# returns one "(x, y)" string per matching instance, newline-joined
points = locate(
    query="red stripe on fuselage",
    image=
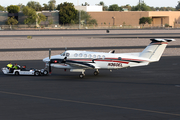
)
(103, 60)
(132, 59)
(113, 61)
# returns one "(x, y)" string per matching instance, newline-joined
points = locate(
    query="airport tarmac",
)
(141, 93)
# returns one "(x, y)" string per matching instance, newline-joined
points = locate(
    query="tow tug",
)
(23, 71)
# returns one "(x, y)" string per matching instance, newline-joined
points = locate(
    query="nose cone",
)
(46, 60)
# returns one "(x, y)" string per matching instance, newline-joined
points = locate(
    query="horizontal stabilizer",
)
(162, 40)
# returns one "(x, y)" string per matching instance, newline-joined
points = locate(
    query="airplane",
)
(79, 61)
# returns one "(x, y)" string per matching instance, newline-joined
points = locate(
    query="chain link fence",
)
(77, 26)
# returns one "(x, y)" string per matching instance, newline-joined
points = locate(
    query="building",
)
(3, 17)
(108, 18)
(89, 8)
(52, 17)
(131, 18)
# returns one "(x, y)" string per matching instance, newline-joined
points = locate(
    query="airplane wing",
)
(79, 64)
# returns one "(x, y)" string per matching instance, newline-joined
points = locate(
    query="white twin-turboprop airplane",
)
(79, 61)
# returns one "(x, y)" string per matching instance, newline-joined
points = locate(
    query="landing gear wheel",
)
(36, 73)
(81, 75)
(45, 72)
(96, 73)
(16, 73)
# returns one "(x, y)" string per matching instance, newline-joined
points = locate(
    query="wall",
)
(3, 18)
(170, 17)
(130, 18)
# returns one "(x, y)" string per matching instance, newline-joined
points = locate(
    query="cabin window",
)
(94, 56)
(89, 55)
(119, 58)
(103, 57)
(80, 55)
(67, 54)
(75, 55)
(85, 55)
(99, 56)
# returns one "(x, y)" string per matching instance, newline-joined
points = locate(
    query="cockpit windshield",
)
(62, 54)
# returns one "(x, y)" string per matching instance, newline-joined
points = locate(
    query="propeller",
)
(65, 58)
(50, 61)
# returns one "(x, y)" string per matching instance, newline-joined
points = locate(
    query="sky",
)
(154, 3)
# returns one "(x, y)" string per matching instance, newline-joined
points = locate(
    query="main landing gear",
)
(96, 73)
(82, 75)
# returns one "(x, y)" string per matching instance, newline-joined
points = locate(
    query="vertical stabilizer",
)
(155, 49)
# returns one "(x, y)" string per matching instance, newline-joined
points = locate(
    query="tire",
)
(16, 73)
(81, 76)
(96, 73)
(36, 73)
(45, 72)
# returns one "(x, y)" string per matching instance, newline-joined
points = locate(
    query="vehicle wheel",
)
(45, 72)
(16, 73)
(36, 73)
(81, 75)
(96, 73)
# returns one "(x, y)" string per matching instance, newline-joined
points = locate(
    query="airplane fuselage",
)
(95, 60)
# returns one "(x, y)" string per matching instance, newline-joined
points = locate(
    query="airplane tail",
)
(155, 49)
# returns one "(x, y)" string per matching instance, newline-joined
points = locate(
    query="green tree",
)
(141, 7)
(178, 6)
(67, 13)
(167, 9)
(45, 7)
(21, 6)
(85, 4)
(145, 20)
(2, 8)
(153, 9)
(13, 9)
(85, 17)
(35, 5)
(32, 17)
(11, 21)
(114, 7)
(92, 22)
(52, 4)
(41, 17)
(105, 8)
(127, 6)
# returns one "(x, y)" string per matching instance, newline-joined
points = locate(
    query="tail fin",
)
(155, 49)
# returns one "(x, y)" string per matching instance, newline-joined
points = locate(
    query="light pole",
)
(139, 5)
(79, 14)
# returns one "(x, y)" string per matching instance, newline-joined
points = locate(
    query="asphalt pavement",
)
(141, 93)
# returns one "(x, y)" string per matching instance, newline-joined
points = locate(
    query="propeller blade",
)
(65, 59)
(50, 54)
(50, 61)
